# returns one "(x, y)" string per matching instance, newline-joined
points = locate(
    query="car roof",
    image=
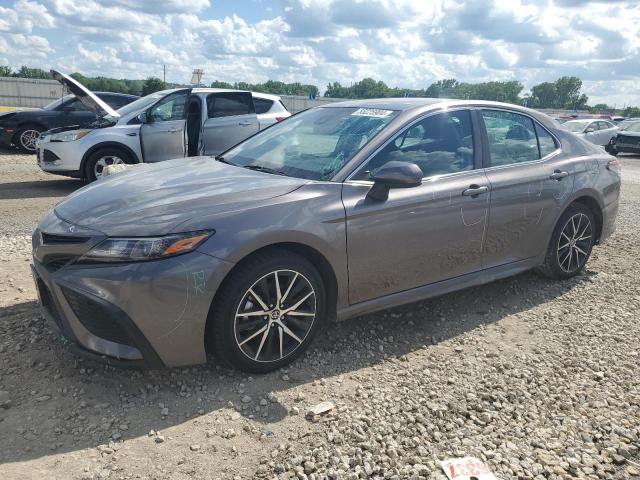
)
(231, 90)
(418, 103)
(118, 94)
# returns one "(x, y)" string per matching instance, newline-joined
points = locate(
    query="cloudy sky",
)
(404, 43)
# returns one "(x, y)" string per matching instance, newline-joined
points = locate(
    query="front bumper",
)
(6, 136)
(64, 158)
(144, 314)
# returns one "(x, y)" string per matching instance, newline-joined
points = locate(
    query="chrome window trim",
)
(399, 133)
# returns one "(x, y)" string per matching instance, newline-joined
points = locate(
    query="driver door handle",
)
(475, 190)
(245, 123)
(558, 175)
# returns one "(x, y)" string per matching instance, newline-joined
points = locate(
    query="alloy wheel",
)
(103, 162)
(275, 315)
(28, 139)
(574, 243)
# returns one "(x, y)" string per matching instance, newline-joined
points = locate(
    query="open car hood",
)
(88, 98)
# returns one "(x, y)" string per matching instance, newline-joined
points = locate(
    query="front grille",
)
(96, 318)
(54, 239)
(46, 301)
(49, 156)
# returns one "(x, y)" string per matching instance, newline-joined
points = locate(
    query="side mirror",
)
(394, 174)
(142, 117)
(590, 130)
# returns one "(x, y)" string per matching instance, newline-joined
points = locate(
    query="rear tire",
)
(26, 136)
(571, 243)
(101, 158)
(266, 339)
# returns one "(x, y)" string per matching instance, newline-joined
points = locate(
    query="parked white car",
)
(183, 122)
(595, 131)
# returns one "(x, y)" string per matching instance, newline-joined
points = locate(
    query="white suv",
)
(182, 122)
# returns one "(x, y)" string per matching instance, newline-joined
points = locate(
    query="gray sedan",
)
(338, 211)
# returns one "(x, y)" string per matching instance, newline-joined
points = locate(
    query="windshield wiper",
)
(260, 168)
(220, 158)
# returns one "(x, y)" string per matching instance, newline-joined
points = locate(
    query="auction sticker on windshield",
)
(372, 112)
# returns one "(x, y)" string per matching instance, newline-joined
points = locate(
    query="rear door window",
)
(229, 104)
(546, 141)
(512, 137)
(262, 105)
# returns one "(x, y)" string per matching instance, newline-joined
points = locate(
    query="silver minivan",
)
(182, 122)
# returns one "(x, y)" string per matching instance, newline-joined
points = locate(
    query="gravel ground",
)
(539, 379)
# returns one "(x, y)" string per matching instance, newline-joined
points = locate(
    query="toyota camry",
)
(338, 211)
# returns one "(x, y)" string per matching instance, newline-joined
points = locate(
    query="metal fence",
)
(296, 104)
(28, 92)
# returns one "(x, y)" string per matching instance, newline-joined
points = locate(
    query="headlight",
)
(69, 136)
(137, 249)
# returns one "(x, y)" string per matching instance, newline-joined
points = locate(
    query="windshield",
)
(632, 127)
(142, 103)
(629, 125)
(314, 144)
(57, 102)
(576, 126)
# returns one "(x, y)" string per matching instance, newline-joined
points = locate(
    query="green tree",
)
(220, 84)
(5, 71)
(27, 72)
(563, 93)
(152, 84)
(599, 107)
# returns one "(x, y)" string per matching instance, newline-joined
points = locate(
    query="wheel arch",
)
(101, 145)
(316, 258)
(27, 123)
(596, 210)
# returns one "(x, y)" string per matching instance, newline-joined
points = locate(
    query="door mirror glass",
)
(142, 117)
(394, 174)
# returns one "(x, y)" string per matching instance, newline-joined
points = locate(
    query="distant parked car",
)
(627, 140)
(22, 127)
(598, 132)
(182, 122)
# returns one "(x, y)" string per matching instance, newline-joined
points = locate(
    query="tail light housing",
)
(614, 165)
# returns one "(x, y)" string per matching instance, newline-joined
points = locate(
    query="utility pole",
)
(164, 72)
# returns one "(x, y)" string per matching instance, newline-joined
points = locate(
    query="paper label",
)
(466, 468)
(372, 112)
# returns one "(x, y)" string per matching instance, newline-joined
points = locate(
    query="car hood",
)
(154, 199)
(88, 98)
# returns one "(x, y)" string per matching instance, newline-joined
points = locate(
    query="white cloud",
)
(402, 42)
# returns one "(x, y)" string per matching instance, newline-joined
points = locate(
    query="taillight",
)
(279, 119)
(613, 164)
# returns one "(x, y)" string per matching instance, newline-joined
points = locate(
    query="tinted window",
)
(229, 104)
(74, 105)
(546, 141)
(512, 137)
(170, 108)
(438, 144)
(262, 105)
(114, 101)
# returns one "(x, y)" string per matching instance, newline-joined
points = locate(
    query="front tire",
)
(101, 158)
(267, 312)
(571, 243)
(26, 137)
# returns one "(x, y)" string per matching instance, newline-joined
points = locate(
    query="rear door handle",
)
(558, 175)
(245, 123)
(475, 190)
(173, 130)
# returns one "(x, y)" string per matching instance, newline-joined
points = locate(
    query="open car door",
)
(162, 133)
